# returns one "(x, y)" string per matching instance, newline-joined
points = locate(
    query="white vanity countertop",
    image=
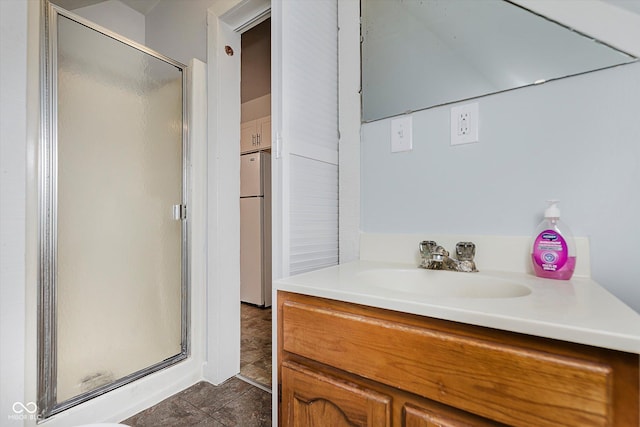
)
(578, 310)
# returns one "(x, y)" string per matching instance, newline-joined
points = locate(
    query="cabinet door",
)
(248, 136)
(305, 116)
(314, 399)
(433, 415)
(264, 132)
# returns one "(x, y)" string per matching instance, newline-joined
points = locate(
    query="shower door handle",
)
(179, 212)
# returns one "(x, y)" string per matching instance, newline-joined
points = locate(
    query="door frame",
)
(223, 235)
(225, 22)
(48, 404)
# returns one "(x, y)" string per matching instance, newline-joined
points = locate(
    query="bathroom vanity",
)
(348, 364)
(352, 351)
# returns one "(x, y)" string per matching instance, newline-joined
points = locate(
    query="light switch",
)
(401, 134)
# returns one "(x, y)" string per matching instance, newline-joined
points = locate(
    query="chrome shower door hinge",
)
(179, 212)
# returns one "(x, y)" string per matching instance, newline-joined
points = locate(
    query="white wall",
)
(117, 17)
(349, 129)
(13, 153)
(573, 139)
(178, 29)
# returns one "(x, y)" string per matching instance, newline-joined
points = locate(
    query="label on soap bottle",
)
(550, 251)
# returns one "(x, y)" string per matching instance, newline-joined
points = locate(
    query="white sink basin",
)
(433, 283)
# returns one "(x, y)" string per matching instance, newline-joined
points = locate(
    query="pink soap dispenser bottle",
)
(554, 251)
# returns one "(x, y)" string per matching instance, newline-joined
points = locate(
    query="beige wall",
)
(256, 62)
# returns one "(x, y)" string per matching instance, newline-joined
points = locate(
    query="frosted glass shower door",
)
(118, 171)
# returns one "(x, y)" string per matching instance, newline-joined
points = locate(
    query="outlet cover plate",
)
(401, 134)
(465, 121)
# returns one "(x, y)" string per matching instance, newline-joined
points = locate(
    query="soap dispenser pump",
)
(553, 253)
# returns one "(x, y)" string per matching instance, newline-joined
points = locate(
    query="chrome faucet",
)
(436, 257)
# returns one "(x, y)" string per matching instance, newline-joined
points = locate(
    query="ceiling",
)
(145, 6)
(142, 6)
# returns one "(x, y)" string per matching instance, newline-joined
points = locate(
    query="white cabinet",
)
(255, 135)
(305, 110)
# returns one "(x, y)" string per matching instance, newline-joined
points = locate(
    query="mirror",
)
(418, 54)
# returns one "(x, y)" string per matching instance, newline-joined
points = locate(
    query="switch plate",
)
(401, 134)
(465, 121)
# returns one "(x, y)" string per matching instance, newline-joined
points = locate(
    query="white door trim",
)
(223, 182)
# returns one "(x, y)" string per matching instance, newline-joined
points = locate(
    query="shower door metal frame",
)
(47, 268)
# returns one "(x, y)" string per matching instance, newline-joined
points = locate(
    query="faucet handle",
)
(427, 247)
(465, 251)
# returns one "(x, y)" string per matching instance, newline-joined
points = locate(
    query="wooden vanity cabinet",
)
(255, 135)
(347, 364)
(317, 399)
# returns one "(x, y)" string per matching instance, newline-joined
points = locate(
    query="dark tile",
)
(259, 344)
(252, 409)
(210, 423)
(250, 355)
(255, 344)
(248, 343)
(173, 412)
(258, 371)
(257, 375)
(233, 403)
(209, 398)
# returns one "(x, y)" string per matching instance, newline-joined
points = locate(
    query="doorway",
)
(113, 266)
(255, 204)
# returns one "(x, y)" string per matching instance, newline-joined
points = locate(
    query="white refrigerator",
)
(255, 228)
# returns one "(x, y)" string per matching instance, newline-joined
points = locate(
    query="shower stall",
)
(113, 275)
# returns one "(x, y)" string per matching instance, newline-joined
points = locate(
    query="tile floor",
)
(255, 344)
(233, 403)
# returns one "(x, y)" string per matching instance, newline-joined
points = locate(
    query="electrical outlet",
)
(464, 124)
(401, 134)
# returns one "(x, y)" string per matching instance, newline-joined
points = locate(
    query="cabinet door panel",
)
(248, 136)
(428, 415)
(264, 125)
(304, 59)
(313, 399)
